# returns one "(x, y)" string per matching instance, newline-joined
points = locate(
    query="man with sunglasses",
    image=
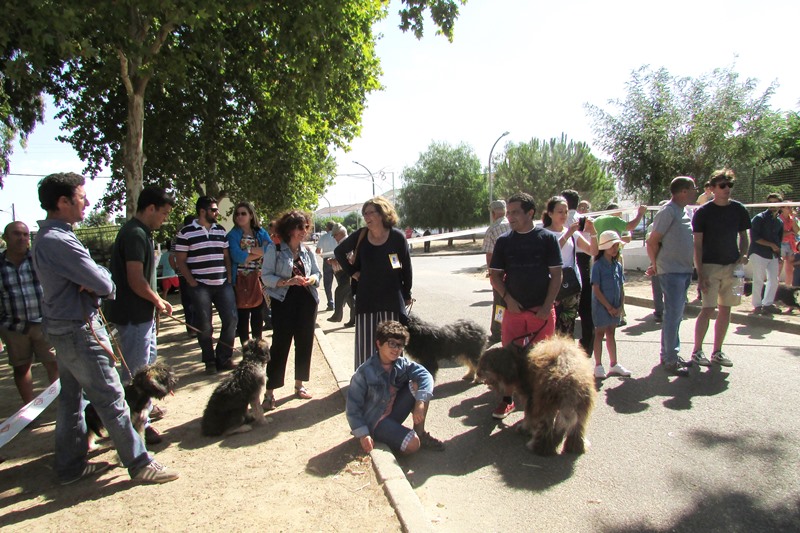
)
(201, 252)
(720, 244)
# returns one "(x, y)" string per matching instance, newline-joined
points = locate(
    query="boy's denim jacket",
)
(278, 265)
(369, 392)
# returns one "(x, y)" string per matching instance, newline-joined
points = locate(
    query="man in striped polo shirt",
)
(201, 251)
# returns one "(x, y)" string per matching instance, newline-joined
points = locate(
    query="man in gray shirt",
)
(670, 249)
(72, 286)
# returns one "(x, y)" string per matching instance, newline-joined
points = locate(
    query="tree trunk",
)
(133, 151)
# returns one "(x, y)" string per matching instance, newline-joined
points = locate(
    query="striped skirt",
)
(366, 324)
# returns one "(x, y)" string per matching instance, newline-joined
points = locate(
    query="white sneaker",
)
(599, 372)
(155, 473)
(619, 370)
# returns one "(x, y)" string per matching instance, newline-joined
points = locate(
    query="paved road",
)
(715, 452)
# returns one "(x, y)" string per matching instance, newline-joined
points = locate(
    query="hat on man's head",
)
(608, 239)
(497, 205)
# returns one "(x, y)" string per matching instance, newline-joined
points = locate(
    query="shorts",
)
(22, 347)
(786, 249)
(170, 283)
(720, 286)
(520, 327)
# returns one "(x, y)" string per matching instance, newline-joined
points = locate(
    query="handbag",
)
(570, 285)
(248, 289)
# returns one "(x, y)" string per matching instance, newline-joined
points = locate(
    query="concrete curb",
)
(404, 500)
(736, 317)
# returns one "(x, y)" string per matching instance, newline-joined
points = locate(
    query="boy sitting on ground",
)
(384, 390)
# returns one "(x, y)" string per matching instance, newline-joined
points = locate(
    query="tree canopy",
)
(239, 99)
(544, 168)
(444, 189)
(669, 126)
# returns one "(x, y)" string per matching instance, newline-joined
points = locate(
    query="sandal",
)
(302, 393)
(269, 403)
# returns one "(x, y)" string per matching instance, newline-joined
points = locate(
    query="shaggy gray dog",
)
(226, 412)
(463, 340)
(556, 380)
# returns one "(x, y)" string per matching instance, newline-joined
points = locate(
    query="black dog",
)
(226, 412)
(463, 340)
(786, 294)
(151, 381)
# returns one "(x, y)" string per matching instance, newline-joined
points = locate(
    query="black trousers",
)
(495, 326)
(252, 318)
(585, 305)
(343, 295)
(292, 319)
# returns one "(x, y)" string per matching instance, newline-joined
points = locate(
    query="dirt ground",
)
(301, 472)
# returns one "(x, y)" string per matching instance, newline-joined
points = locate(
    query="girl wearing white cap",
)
(607, 295)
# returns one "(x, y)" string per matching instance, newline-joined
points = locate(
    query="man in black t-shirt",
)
(720, 244)
(526, 271)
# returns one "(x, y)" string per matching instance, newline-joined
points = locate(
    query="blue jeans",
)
(224, 300)
(84, 368)
(658, 296)
(391, 430)
(674, 287)
(138, 345)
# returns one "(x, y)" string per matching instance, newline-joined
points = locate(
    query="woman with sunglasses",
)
(291, 276)
(247, 242)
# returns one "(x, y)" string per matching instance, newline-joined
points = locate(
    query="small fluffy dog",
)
(226, 412)
(151, 381)
(463, 340)
(557, 382)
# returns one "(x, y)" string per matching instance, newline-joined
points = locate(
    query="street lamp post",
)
(370, 175)
(491, 181)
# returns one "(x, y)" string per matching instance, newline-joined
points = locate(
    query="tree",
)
(669, 126)
(97, 218)
(283, 77)
(545, 168)
(444, 189)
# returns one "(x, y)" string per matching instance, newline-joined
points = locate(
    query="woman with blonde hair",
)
(381, 267)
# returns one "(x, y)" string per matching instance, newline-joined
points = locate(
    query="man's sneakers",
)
(429, 442)
(89, 470)
(155, 473)
(618, 370)
(503, 410)
(677, 368)
(152, 436)
(720, 359)
(700, 358)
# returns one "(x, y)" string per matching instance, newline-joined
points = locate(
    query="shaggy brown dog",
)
(557, 382)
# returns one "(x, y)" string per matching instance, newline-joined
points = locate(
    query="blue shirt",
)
(370, 391)
(769, 227)
(609, 276)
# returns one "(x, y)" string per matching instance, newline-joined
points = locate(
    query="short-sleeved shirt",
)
(205, 252)
(720, 226)
(609, 277)
(676, 255)
(20, 294)
(497, 228)
(609, 222)
(133, 243)
(526, 259)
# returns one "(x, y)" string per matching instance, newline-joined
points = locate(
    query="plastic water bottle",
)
(738, 280)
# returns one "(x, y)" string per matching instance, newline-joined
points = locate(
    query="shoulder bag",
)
(570, 285)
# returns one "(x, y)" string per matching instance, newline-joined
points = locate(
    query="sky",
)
(522, 66)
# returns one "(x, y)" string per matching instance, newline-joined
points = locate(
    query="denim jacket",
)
(369, 392)
(278, 266)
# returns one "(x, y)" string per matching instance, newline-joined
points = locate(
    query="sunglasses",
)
(394, 345)
(725, 185)
(213, 210)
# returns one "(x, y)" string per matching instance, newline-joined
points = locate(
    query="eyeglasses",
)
(242, 214)
(394, 345)
(725, 185)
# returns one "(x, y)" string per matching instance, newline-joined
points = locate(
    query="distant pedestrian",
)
(21, 312)
(343, 295)
(167, 276)
(655, 281)
(183, 285)
(670, 248)
(607, 297)
(789, 244)
(325, 247)
(720, 244)
(766, 236)
(498, 227)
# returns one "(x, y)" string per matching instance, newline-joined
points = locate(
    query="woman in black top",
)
(382, 268)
